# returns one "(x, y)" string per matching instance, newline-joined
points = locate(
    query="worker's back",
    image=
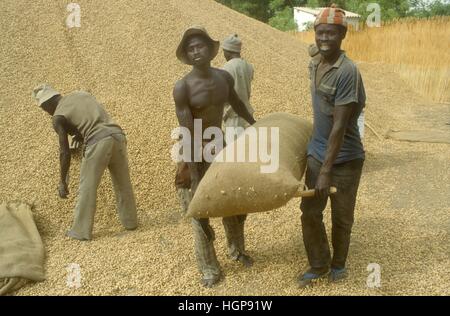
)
(83, 111)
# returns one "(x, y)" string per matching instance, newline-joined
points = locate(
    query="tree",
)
(279, 13)
(440, 8)
(283, 20)
(390, 9)
(283, 14)
(421, 8)
(258, 9)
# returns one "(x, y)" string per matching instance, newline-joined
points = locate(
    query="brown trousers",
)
(204, 237)
(111, 153)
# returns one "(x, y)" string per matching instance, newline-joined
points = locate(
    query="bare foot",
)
(72, 235)
(210, 282)
(246, 260)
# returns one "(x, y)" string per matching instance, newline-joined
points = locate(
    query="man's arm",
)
(252, 77)
(341, 117)
(59, 123)
(345, 104)
(236, 103)
(186, 119)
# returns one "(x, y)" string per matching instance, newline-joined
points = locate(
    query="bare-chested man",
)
(202, 94)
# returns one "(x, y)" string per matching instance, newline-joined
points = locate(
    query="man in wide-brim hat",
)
(198, 31)
(202, 94)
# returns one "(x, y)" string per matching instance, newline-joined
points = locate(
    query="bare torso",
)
(202, 94)
(207, 97)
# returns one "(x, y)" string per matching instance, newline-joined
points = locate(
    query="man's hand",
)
(323, 185)
(194, 184)
(77, 140)
(63, 190)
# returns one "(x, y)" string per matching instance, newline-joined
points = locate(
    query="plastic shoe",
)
(337, 274)
(309, 277)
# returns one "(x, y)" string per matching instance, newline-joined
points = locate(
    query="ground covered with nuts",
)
(124, 54)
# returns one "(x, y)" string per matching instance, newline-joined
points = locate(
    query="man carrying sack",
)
(335, 152)
(202, 94)
(104, 147)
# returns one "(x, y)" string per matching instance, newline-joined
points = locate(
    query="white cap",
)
(232, 43)
(44, 92)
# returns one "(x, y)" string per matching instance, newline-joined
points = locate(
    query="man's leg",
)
(182, 185)
(94, 163)
(346, 178)
(123, 189)
(234, 231)
(185, 197)
(204, 244)
(313, 228)
(234, 225)
(204, 250)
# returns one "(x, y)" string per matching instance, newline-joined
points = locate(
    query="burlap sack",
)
(21, 247)
(233, 188)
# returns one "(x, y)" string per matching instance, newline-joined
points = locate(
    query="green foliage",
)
(390, 9)
(279, 13)
(283, 20)
(258, 9)
(308, 26)
(424, 9)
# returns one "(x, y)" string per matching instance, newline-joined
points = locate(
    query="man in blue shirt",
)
(335, 153)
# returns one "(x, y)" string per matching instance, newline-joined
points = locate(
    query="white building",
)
(304, 16)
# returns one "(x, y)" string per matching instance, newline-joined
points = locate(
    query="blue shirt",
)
(341, 85)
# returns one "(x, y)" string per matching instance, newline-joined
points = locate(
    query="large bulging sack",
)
(231, 188)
